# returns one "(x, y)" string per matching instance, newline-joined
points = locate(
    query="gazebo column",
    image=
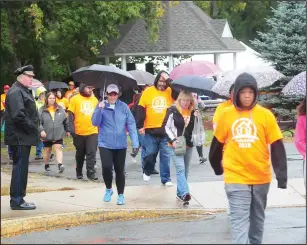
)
(217, 63)
(170, 63)
(234, 61)
(124, 63)
(107, 60)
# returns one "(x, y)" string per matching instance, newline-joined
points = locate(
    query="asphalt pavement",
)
(282, 226)
(198, 172)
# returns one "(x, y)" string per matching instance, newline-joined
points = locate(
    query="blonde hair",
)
(187, 96)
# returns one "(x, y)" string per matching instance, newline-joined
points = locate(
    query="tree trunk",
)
(214, 9)
(80, 62)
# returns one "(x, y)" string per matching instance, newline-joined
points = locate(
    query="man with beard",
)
(85, 135)
(150, 114)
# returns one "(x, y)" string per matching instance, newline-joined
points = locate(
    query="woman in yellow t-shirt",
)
(53, 125)
(61, 100)
(179, 120)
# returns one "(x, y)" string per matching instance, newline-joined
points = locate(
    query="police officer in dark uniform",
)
(21, 132)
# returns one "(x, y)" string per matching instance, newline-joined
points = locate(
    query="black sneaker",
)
(186, 197)
(202, 160)
(91, 176)
(79, 174)
(61, 168)
(47, 168)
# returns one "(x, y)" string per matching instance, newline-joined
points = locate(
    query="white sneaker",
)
(133, 159)
(168, 183)
(146, 177)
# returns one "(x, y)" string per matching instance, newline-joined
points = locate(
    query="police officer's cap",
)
(27, 70)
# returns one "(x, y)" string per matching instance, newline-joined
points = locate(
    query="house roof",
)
(185, 29)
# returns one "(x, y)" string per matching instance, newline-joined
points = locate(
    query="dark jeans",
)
(199, 150)
(86, 146)
(39, 148)
(19, 174)
(151, 146)
(113, 158)
(10, 151)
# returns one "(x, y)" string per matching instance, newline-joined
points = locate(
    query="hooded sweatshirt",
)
(81, 108)
(151, 109)
(248, 132)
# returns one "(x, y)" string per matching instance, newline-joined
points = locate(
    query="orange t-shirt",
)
(63, 102)
(3, 97)
(83, 109)
(246, 157)
(69, 93)
(51, 111)
(218, 111)
(155, 103)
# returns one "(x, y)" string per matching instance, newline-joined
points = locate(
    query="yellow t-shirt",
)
(155, 103)
(51, 110)
(219, 109)
(246, 157)
(63, 102)
(83, 109)
(3, 97)
(69, 93)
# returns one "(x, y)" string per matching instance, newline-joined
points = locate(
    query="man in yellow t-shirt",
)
(219, 109)
(248, 129)
(150, 114)
(85, 135)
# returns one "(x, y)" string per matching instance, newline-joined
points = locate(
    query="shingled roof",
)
(185, 29)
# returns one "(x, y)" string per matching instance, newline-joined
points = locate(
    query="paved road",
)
(198, 173)
(283, 226)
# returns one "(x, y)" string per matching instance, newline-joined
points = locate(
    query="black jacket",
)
(174, 125)
(278, 152)
(21, 117)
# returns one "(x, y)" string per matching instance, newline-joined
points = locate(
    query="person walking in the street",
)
(69, 92)
(246, 160)
(3, 97)
(40, 93)
(300, 134)
(219, 109)
(199, 104)
(53, 125)
(21, 132)
(113, 117)
(149, 117)
(179, 120)
(85, 135)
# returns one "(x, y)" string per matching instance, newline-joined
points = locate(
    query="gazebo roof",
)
(185, 29)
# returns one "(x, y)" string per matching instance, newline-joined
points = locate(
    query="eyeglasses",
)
(112, 94)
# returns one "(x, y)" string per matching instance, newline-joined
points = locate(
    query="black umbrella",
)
(55, 85)
(143, 77)
(195, 84)
(100, 76)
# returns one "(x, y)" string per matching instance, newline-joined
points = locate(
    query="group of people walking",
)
(161, 122)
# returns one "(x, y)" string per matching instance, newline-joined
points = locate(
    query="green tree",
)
(284, 44)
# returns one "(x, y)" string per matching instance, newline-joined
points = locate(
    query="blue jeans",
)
(39, 148)
(182, 165)
(151, 146)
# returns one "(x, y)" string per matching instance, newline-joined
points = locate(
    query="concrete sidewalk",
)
(85, 205)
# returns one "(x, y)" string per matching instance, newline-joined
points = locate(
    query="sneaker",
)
(133, 159)
(61, 168)
(202, 160)
(186, 197)
(108, 195)
(92, 177)
(168, 183)
(38, 158)
(146, 177)
(120, 199)
(47, 168)
(79, 174)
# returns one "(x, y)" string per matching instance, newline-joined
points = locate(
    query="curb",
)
(13, 227)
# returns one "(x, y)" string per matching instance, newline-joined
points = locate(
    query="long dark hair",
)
(301, 109)
(46, 100)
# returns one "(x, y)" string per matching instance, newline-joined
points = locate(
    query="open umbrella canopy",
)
(265, 77)
(196, 68)
(55, 85)
(142, 77)
(296, 86)
(195, 84)
(36, 83)
(100, 76)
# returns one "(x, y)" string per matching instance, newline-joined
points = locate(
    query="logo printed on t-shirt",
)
(159, 104)
(87, 108)
(244, 132)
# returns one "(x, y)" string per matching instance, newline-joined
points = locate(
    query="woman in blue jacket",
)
(113, 117)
